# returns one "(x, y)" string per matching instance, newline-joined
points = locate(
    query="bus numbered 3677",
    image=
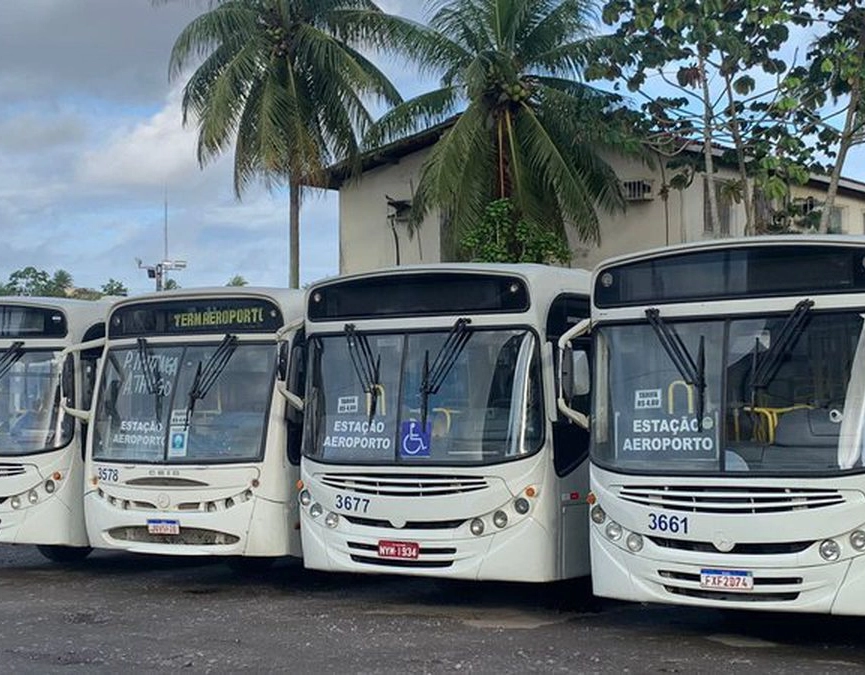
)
(728, 454)
(194, 448)
(432, 442)
(41, 445)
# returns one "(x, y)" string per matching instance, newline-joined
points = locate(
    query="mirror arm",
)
(578, 418)
(294, 400)
(83, 415)
(288, 328)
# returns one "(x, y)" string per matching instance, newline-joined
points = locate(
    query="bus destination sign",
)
(214, 315)
(18, 321)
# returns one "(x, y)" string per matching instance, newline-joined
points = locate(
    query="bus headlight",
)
(598, 515)
(32, 496)
(315, 510)
(305, 497)
(210, 507)
(634, 542)
(331, 519)
(50, 486)
(521, 505)
(830, 550)
(500, 519)
(613, 531)
(857, 540)
(477, 527)
(16, 502)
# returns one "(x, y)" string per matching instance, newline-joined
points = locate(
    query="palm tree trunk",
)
(293, 234)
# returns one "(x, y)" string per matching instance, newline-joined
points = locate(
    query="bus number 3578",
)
(664, 523)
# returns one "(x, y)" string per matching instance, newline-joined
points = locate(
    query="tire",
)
(65, 555)
(248, 566)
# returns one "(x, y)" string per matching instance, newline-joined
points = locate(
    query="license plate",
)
(405, 550)
(163, 526)
(727, 580)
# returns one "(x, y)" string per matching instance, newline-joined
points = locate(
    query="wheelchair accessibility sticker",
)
(415, 442)
(179, 437)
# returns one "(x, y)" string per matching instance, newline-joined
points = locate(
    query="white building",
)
(373, 206)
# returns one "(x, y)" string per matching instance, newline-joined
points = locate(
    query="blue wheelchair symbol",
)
(415, 441)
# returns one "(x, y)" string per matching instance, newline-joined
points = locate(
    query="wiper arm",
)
(365, 365)
(764, 372)
(207, 374)
(435, 375)
(692, 372)
(10, 357)
(152, 376)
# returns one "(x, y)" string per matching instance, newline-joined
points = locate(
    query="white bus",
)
(727, 436)
(432, 445)
(194, 449)
(42, 447)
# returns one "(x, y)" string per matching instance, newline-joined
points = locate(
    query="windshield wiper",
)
(207, 374)
(152, 376)
(10, 357)
(764, 371)
(692, 372)
(435, 375)
(365, 365)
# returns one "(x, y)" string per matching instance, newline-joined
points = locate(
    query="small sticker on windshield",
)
(346, 405)
(645, 399)
(177, 442)
(178, 418)
(415, 442)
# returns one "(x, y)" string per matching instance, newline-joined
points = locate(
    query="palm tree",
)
(284, 82)
(526, 129)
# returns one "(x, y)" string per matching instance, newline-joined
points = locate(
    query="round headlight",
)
(315, 510)
(229, 503)
(477, 527)
(521, 505)
(211, 507)
(500, 519)
(331, 519)
(16, 502)
(830, 549)
(50, 486)
(613, 530)
(305, 497)
(634, 542)
(32, 496)
(598, 515)
(857, 539)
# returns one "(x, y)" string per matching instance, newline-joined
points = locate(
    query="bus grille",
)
(420, 563)
(732, 500)
(410, 525)
(404, 485)
(7, 470)
(766, 589)
(189, 536)
(771, 548)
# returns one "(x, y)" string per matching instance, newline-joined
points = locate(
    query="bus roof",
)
(81, 315)
(290, 300)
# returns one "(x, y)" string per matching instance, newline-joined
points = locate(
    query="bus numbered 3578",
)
(195, 446)
(729, 425)
(432, 440)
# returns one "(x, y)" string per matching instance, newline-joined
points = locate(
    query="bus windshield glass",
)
(454, 397)
(29, 399)
(196, 404)
(780, 395)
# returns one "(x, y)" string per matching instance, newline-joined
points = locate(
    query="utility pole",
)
(157, 271)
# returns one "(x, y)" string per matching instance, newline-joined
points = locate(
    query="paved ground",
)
(132, 614)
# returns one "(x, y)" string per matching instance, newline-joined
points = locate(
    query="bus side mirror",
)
(574, 382)
(291, 387)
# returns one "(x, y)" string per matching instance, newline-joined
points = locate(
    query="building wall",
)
(367, 241)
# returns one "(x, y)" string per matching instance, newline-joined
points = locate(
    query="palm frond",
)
(411, 116)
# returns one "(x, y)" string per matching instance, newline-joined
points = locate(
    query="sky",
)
(92, 141)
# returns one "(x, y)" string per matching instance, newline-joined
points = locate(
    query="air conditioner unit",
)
(641, 190)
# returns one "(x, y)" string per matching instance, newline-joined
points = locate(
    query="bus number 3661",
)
(664, 523)
(350, 503)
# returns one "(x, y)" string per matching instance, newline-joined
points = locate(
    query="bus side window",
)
(571, 441)
(295, 380)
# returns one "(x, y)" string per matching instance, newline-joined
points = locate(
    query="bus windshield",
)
(462, 396)
(780, 395)
(201, 403)
(29, 402)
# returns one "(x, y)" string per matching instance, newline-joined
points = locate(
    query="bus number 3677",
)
(351, 503)
(664, 523)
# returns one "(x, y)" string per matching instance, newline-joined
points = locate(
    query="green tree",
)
(237, 280)
(283, 81)
(114, 287)
(32, 281)
(170, 285)
(527, 130)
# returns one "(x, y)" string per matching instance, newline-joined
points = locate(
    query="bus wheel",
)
(65, 554)
(249, 565)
